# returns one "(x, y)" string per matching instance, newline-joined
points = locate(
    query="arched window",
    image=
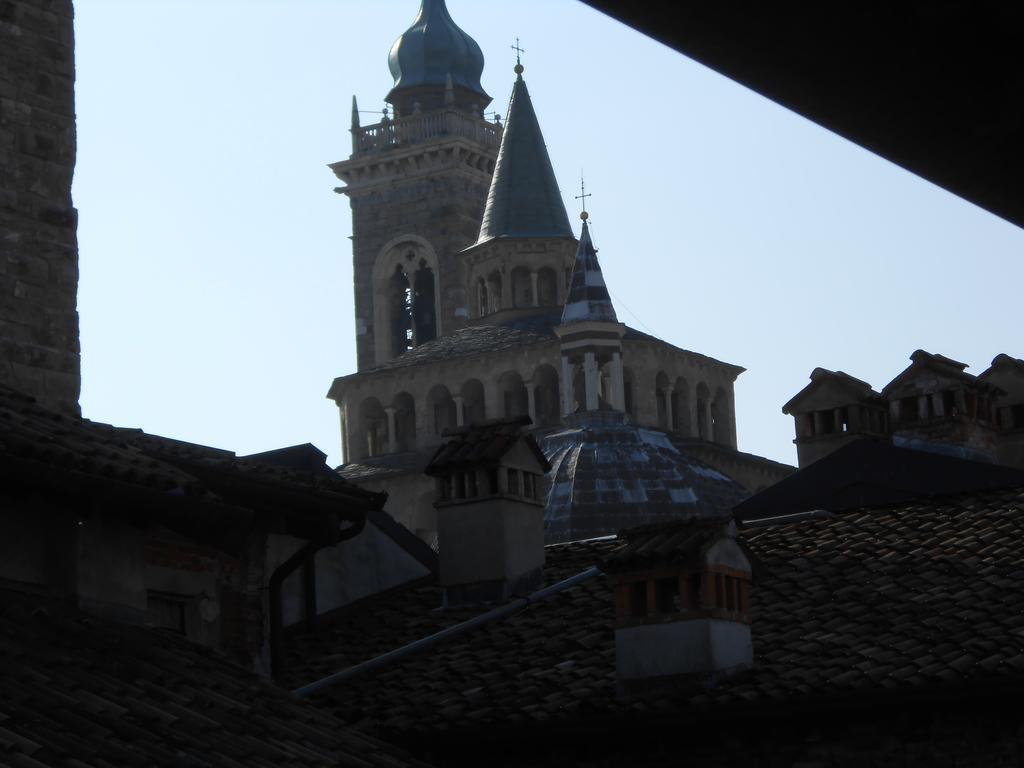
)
(406, 300)
(720, 422)
(442, 409)
(494, 290)
(400, 311)
(405, 422)
(472, 392)
(424, 313)
(522, 288)
(629, 392)
(482, 307)
(545, 396)
(512, 395)
(372, 437)
(547, 287)
(681, 407)
(661, 395)
(703, 416)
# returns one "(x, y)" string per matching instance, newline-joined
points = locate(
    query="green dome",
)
(432, 49)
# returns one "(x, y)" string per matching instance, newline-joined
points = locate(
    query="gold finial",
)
(582, 197)
(518, 68)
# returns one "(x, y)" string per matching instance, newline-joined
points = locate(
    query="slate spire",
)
(523, 200)
(588, 297)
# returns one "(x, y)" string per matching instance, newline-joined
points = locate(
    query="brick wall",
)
(39, 352)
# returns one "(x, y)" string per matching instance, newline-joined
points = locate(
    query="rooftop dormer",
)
(1007, 373)
(832, 410)
(934, 404)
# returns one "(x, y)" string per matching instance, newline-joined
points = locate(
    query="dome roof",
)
(610, 476)
(432, 49)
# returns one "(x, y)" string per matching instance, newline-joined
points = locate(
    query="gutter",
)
(453, 631)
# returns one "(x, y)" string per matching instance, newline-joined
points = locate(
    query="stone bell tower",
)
(417, 182)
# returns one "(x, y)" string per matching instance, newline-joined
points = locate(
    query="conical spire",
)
(524, 200)
(355, 113)
(588, 297)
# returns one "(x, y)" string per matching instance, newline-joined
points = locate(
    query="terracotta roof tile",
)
(924, 594)
(77, 688)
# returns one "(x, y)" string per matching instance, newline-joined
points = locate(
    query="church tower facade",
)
(476, 304)
(417, 182)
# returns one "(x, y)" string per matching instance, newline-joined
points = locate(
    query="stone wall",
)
(39, 352)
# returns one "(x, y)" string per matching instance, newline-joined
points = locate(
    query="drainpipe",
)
(304, 555)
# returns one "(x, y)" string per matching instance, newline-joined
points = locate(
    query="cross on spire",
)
(582, 197)
(518, 50)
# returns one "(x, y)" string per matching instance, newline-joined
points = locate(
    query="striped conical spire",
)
(588, 297)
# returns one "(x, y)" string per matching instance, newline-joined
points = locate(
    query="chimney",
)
(682, 597)
(490, 511)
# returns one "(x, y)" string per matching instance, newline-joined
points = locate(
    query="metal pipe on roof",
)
(457, 629)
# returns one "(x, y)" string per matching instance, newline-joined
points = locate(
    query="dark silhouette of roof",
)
(433, 50)
(482, 445)
(205, 493)
(934, 89)
(870, 473)
(79, 690)
(588, 297)
(819, 376)
(523, 200)
(923, 599)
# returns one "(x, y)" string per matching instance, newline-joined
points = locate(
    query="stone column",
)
(819, 424)
(837, 415)
(533, 285)
(392, 441)
(566, 386)
(710, 427)
(531, 404)
(590, 380)
(668, 407)
(618, 384)
(460, 416)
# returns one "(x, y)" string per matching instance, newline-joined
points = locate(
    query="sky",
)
(216, 284)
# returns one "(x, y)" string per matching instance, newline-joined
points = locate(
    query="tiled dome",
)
(610, 476)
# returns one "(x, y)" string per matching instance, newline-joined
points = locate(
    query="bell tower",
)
(417, 181)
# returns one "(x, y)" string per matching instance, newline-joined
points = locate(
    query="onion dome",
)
(432, 52)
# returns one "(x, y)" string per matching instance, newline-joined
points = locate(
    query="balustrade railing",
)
(416, 128)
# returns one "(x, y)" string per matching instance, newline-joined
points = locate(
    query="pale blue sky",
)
(216, 297)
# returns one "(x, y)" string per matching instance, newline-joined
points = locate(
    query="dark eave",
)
(936, 88)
